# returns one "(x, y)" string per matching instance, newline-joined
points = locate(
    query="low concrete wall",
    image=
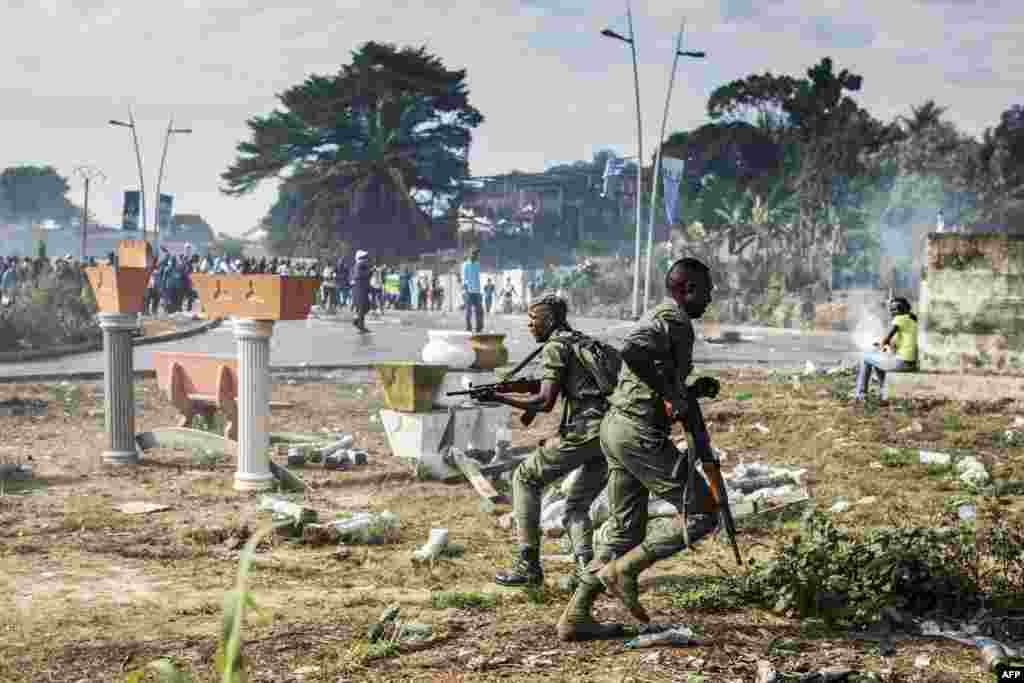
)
(972, 304)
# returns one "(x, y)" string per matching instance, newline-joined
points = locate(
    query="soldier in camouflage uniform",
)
(579, 447)
(642, 460)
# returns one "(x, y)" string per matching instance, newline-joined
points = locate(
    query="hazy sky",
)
(551, 88)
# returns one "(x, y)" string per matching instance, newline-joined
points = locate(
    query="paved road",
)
(401, 336)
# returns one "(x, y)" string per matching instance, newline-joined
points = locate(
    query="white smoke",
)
(868, 329)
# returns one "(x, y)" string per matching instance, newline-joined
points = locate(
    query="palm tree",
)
(927, 115)
(358, 148)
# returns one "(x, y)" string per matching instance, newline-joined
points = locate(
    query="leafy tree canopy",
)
(33, 194)
(358, 146)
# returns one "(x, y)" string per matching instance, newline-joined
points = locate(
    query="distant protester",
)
(472, 292)
(898, 352)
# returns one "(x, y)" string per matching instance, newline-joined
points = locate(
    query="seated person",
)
(898, 352)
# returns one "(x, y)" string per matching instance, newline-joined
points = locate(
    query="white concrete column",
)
(253, 338)
(118, 388)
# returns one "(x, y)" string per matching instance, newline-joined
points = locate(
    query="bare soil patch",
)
(90, 594)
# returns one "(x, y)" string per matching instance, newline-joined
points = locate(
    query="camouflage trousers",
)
(641, 461)
(545, 465)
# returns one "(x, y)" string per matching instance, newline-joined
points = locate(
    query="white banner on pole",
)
(672, 178)
(613, 167)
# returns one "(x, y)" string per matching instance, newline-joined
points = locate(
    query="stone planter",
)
(134, 254)
(451, 348)
(118, 290)
(256, 297)
(490, 351)
(410, 387)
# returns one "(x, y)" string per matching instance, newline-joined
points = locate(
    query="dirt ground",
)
(91, 594)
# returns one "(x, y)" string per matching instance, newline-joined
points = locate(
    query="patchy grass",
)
(460, 600)
(95, 594)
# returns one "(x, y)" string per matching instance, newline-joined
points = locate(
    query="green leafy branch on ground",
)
(847, 577)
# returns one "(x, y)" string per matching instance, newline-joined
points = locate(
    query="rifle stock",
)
(701, 448)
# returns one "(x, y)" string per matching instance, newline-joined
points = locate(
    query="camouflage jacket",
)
(581, 414)
(666, 335)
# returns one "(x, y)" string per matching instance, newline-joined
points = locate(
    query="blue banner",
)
(132, 211)
(166, 209)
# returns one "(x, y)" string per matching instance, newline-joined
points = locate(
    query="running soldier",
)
(657, 357)
(584, 404)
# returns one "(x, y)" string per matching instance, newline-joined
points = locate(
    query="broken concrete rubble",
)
(15, 472)
(971, 470)
(434, 546)
(286, 508)
(749, 485)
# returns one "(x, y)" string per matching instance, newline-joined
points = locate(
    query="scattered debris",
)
(935, 458)
(296, 457)
(434, 546)
(1013, 437)
(840, 506)
(471, 469)
(761, 428)
(15, 472)
(371, 528)
(387, 620)
(288, 481)
(297, 513)
(914, 427)
(972, 471)
(337, 461)
(141, 508)
(18, 407)
(674, 635)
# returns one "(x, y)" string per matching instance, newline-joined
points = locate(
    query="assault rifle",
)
(699, 443)
(508, 385)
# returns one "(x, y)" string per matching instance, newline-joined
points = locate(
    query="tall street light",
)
(657, 160)
(88, 174)
(159, 180)
(639, 153)
(138, 158)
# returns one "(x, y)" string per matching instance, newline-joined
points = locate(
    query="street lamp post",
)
(138, 159)
(87, 173)
(159, 180)
(657, 160)
(639, 153)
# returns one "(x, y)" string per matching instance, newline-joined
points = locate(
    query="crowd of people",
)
(15, 271)
(356, 284)
(170, 285)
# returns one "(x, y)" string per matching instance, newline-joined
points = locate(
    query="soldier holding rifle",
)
(584, 405)
(642, 460)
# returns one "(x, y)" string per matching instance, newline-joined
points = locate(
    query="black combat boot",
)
(526, 570)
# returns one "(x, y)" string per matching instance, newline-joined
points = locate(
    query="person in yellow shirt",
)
(898, 351)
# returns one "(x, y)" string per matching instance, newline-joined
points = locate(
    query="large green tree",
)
(33, 194)
(363, 148)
